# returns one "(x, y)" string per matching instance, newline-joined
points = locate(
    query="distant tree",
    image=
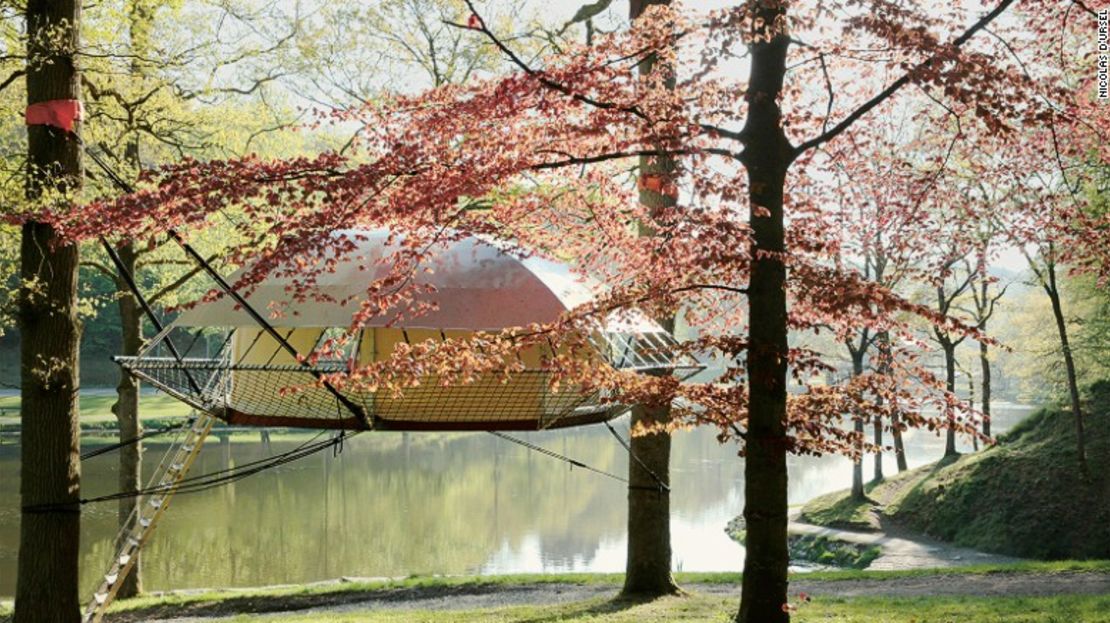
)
(985, 299)
(882, 199)
(1044, 265)
(949, 287)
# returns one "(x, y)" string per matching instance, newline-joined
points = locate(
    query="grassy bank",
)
(713, 598)
(96, 410)
(1023, 497)
(713, 609)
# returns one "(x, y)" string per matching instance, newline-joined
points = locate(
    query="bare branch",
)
(180, 281)
(11, 78)
(895, 86)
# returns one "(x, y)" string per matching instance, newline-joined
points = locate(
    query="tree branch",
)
(562, 88)
(109, 273)
(895, 86)
(180, 281)
(12, 78)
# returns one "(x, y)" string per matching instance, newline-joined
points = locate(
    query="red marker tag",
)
(58, 113)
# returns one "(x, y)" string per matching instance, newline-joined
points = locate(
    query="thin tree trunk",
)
(857, 462)
(49, 535)
(126, 410)
(878, 474)
(884, 369)
(648, 562)
(768, 155)
(971, 403)
(950, 385)
(899, 445)
(985, 385)
(895, 420)
(1069, 366)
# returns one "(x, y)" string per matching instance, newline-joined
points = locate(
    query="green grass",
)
(1030, 566)
(96, 409)
(716, 609)
(245, 600)
(830, 551)
(1023, 497)
(597, 579)
(840, 510)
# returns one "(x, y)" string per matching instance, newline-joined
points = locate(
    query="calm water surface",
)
(423, 503)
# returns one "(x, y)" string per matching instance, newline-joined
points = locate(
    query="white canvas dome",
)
(478, 287)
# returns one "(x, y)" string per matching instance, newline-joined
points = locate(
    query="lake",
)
(393, 504)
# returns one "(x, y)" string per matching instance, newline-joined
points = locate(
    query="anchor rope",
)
(196, 484)
(555, 455)
(663, 486)
(136, 439)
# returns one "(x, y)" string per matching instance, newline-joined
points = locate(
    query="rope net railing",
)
(246, 379)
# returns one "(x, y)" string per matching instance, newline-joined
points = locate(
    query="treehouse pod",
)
(245, 375)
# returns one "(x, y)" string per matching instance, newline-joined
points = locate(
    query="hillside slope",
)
(1023, 497)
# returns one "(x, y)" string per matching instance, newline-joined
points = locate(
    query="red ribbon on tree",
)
(58, 113)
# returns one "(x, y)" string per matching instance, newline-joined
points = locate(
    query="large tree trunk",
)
(1069, 367)
(126, 410)
(648, 563)
(857, 421)
(768, 155)
(950, 385)
(49, 536)
(648, 566)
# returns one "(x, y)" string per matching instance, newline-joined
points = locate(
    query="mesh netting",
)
(245, 383)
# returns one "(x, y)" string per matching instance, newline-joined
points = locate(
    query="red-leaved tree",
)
(766, 90)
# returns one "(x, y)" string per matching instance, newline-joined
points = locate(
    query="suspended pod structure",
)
(228, 363)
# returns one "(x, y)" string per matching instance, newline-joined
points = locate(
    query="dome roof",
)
(478, 286)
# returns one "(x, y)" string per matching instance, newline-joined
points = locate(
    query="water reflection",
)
(397, 504)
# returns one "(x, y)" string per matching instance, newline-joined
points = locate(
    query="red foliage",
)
(539, 157)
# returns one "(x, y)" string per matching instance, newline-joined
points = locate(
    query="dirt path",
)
(905, 550)
(474, 596)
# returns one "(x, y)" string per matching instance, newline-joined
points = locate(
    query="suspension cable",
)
(663, 486)
(136, 439)
(556, 455)
(132, 285)
(359, 413)
(204, 482)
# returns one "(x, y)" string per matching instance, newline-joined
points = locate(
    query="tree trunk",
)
(899, 445)
(884, 369)
(950, 385)
(49, 536)
(895, 420)
(768, 155)
(878, 474)
(971, 403)
(126, 410)
(857, 462)
(1069, 366)
(648, 566)
(985, 385)
(648, 562)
